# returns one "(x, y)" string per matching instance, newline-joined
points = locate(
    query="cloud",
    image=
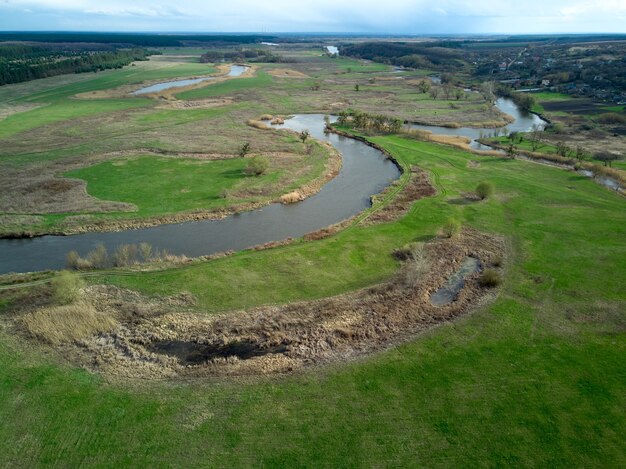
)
(391, 16)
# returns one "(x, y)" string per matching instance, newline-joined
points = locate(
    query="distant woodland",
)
(21, 62)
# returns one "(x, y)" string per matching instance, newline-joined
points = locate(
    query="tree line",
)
(371, 122)
(240, 55)
(19, 63)
(133, 39)
(432, 55)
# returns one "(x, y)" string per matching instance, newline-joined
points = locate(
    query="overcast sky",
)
(381, 16)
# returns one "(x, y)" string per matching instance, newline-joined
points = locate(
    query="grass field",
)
(159, 185)
(536, 378)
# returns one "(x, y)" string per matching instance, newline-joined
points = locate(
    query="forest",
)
(20, 62)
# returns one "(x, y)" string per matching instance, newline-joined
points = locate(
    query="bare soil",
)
(287, 73)
(575, 106)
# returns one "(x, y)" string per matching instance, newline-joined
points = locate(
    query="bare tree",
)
(535, 137)
(304, 135)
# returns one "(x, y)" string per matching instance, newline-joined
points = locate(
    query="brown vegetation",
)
(66, 323)
(285, 338)
(286, 73)
(417, 187)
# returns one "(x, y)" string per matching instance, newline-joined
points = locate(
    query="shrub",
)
(451, 228)
(71, 260)
(304, 135)
(125, 255)
(607, 157)
(611, 118)
(490, 278)
(257, 166)
(244, 150)
(75, 262)
(66, 287)
(484, 189)
(98, 258)
(145, 249)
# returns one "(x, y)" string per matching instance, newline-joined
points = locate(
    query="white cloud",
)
(330, 15)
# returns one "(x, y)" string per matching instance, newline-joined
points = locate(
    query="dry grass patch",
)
(286, 73)
(166, 338)
(67, 323)
(197, 104)
(291, 197)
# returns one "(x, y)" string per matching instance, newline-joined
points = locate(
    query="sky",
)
(329, 16)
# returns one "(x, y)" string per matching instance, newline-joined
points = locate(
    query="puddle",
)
(192, 353)
(455, 283)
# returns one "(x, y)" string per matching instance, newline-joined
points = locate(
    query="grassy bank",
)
(535, 378)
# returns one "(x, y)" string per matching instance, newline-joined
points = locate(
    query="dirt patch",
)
(418, 187)
(165, 338)
(574, 106)
(286, 73)
(38, 192)
(199, 104)
(10, 109)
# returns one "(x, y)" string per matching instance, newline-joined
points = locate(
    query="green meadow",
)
(536, 378)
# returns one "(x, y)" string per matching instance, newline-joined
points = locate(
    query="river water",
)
(523, 122)
(365, 172)
(235, 71)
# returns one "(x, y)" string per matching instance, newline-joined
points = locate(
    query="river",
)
(523, 122)
(235, 71)
(365, 172)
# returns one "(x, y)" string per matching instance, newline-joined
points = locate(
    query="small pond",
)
(447, 293)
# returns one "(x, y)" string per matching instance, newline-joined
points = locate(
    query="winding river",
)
(365, 172)
(523, 122)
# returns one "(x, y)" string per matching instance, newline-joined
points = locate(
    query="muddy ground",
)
(169, 338)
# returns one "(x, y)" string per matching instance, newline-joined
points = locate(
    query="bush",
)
(66, 287)
(125, 255)
(484, 189)
(451, 228)
(146, 251)
(98, 258)
(75, 262)
(611, 118)
(71, 260)
(490, 278)
(257, 166)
